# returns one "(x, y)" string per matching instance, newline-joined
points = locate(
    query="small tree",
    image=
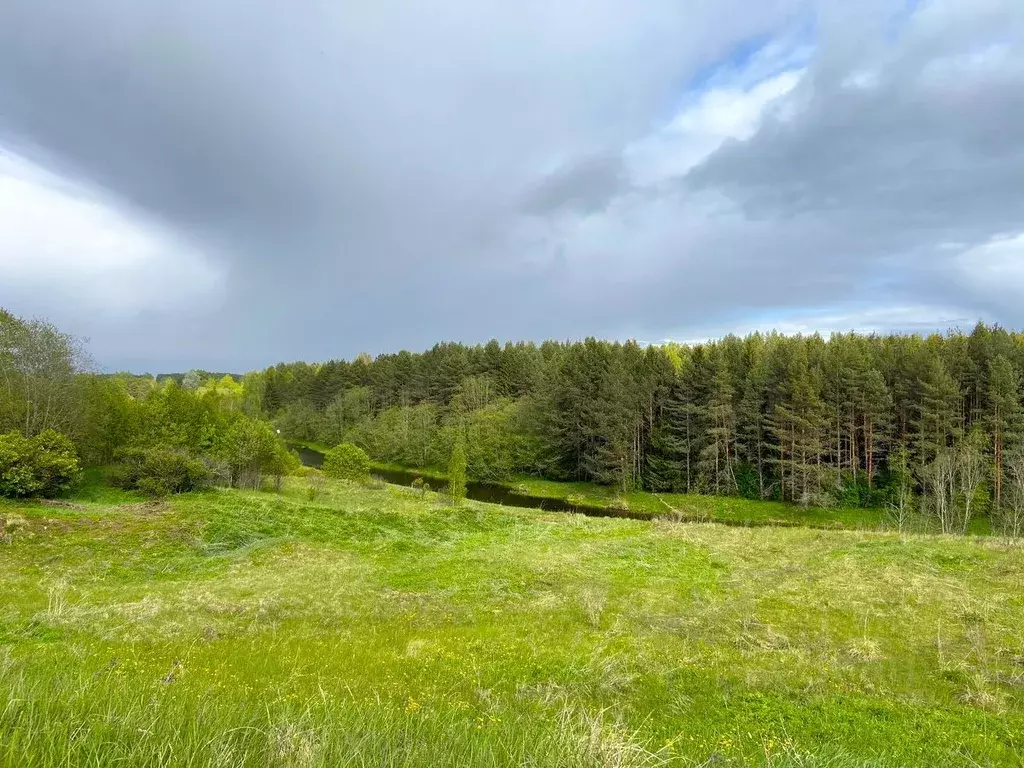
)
(252, 449)
(347, 462)
(1009, 516)
(901, 502)
(457, 469)
(972, 476)
(957, 484)
(284, 462)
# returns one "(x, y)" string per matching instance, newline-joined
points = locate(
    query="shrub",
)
(315, 485)
(160, 471)
(347, 462)
(44, 465)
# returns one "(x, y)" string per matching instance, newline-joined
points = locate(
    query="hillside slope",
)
(376, 627)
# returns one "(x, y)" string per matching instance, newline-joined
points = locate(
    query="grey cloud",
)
(929, 152)
(585, 186)
(365, 171)
(356, 166)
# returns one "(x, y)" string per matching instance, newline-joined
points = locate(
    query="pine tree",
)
(938, 418)
(874, 407)
(615, 454)
(797, 422)
(753, 423)
(717, 458)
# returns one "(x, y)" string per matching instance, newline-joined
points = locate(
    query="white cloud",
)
(995, 268)
(730, 110)
(646, 228)
(68, 240)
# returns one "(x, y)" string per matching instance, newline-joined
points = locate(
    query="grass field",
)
(378, 628)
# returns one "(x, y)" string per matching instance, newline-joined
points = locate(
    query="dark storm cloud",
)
(378, 175)
(339, 156)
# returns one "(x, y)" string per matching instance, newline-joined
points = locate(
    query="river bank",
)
(606, 501)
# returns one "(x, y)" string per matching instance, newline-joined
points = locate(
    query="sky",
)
(229, 185)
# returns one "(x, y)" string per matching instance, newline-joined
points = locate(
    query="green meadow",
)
(376, 626)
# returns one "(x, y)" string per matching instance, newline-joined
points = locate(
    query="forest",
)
(932, 424)
(917, 425)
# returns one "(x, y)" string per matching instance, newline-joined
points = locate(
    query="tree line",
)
(852, 420)
(916, 424)
(157, 436)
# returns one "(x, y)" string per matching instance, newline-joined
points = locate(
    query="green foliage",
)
(407, 435)
(457, 469)
(347, 462)
(45, 465)
(497, 439)
(800, 419)
(160, 471)
(252, 449)
(40, 367)
(111, 418)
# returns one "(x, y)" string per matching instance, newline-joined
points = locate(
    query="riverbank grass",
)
(381, 627)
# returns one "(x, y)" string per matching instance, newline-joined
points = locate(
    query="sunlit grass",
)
(376, 627)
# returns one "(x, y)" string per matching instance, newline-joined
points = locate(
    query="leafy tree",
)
(110, 418)
(252, 449)
(347, 462)
(193, 380)
(39, 368)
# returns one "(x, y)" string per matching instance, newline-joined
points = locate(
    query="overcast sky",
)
(231, 184)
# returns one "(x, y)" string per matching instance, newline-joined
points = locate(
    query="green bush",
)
(347, 462)
(253, 450)
(160, 471)
(44, 465)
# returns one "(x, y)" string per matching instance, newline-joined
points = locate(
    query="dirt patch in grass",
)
(61, 503)
(154, 507)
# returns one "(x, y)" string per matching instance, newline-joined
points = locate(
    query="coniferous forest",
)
(850, 420)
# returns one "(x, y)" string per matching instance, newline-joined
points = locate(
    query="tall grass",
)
(379, 627)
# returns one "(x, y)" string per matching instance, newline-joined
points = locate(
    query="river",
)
(489, 492)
